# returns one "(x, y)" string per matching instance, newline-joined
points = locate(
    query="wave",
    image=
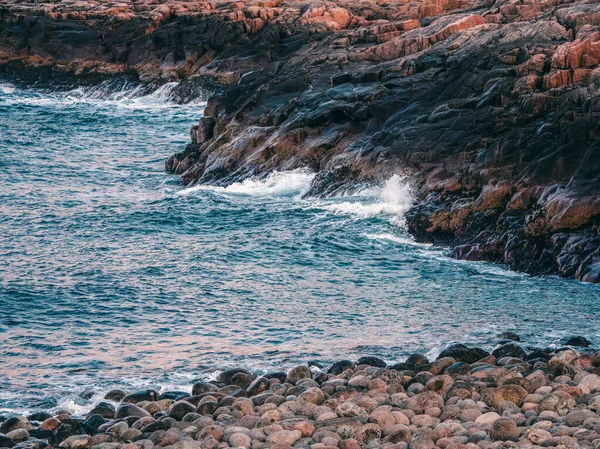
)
(6, 89)
(394, 198)
(118, 93)
(276, 184)
(402, 240)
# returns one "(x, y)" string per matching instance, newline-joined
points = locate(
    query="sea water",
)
(113, 275)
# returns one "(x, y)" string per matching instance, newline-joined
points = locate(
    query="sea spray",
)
(393, 198)
(276, 184)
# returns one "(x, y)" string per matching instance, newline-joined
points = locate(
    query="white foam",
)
(7, 89)
(394, 198)
(403, 240)
(122, 96)
(276, 184)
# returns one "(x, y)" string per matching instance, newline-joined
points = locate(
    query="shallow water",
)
(113, 275)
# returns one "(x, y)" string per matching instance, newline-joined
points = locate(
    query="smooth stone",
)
(340, 366)
(226, 376)
(95, 421)
(279, 375)
(14, 423)
(77, 442)
(128, 409)
(115, 395)
(142, 395)
(371, 361)
(258, 386)
(173, 395)
(509, 350)
(18, 435)
(68, 428)
(504, 429)
(462, 353)
(181, 408)
(103, 409)
(298, 373)
(203, 387)
(578, 341)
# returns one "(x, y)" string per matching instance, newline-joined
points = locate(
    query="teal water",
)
(113, 275)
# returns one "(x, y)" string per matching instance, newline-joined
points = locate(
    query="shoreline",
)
(466, 398)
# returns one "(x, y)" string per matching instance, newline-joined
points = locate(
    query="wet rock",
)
(462, 353)
(69, 428)
(126, 410)
(103, 409)
(181, 408)
(578, 341)
(279, 375)
(203, 387)
(173, 395)
(14, 423)
(298, 373)
(95, 421)
(340, 366)
(509, 350)
(6, 442)
(258, 386)
(116, 395)
(18, 435)
(509, 336)
(226, 377)
(39, 416)
(371, 361)
(142, 395)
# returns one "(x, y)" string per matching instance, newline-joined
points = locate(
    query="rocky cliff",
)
(491, 107)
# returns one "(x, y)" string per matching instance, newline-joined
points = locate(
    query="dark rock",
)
(298, 373)
(14, 423)
(226, 377)
(257, 386)
(417, 359)
(154, 426)
(458, 368)
(279, 375)
(127, 409)
(509, 336)
(39, 416)
(95, 420)
(68, 428)
(579, 342)
(115, 395)
(371, 361)
(242, 380)
(340, 366)
(142, 395)
(39, 434)
(509, 350)
(103, 409)
(202, 387)
(174, 395)
(207, 408)
(462, 353)
(181, 408)
(87, 394)
(6, 442)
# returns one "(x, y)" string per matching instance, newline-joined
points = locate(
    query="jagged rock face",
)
(493, 108)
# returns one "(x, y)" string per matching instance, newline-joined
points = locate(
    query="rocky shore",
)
(491, 107)
(467, 398)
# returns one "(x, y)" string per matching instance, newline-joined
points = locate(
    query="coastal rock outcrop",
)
(491, 108)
